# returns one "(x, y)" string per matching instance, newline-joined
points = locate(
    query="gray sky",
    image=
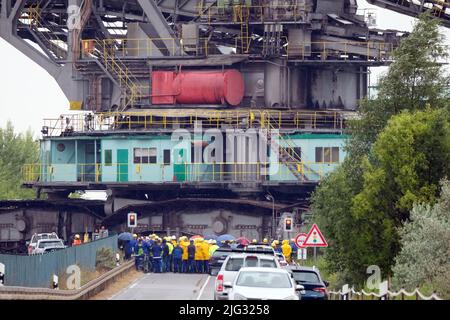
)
(28, 94)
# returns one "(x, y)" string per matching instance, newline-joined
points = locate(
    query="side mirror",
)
(299, 287)
(228, 285)
(326, 283)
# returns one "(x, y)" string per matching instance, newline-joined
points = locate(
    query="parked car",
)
(48, 245)
(233, 263)
(263, 284)
(32, 244)
(310, 279)
(281, 259)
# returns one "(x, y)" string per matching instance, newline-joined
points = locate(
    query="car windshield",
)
(306, 276)
(273, 280)
(46, 244)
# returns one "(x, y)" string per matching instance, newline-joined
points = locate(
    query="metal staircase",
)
(119, 71)
(46, 37)
(287, 154)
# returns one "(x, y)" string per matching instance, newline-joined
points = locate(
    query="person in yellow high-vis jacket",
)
(184, 244)
(198, 255)
(286, 250)
(204, 245)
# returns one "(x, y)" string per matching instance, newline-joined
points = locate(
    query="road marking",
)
(203, 288)
(127, 288)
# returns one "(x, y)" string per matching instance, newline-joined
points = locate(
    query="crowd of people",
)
(184, 255)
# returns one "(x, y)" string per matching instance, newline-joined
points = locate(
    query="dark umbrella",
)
(126, 236)
(225, 237)
(211, 237)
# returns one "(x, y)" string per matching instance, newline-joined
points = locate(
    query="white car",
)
(233, 263)
(48, 245)
(264, 284)
(39, 236)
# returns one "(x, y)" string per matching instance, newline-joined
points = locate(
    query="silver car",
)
(264, 284)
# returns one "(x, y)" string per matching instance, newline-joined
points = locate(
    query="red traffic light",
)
(132, 220)
(288, 224)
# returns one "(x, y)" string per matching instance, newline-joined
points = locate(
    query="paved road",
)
(169, 286)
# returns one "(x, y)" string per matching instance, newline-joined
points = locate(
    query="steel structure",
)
(144, 68)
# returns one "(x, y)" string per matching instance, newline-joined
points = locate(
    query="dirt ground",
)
(118, 285)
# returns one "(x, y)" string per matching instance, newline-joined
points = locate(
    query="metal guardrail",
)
(212, 119)
(355, 295)
(86, 291)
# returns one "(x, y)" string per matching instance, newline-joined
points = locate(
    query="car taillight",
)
(320, 289)
(219, 285)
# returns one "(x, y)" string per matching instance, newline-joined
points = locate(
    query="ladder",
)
(242, 15)
(119, 71)
(288, 156)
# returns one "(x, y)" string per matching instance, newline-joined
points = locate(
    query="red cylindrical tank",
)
(200, 87)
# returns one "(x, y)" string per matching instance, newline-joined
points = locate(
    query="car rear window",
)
(234, 264)
(266, 263)
(221, 254)
(306, 276)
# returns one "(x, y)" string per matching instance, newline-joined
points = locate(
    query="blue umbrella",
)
(225, 237)
(126, 236)
(210, 237)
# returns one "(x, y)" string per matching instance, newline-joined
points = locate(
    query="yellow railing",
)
(145, 47)
(184, 172)
(170, 119)
(114, 49)
(343, 50)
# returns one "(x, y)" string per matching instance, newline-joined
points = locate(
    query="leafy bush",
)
(424, 260)
(106, 259)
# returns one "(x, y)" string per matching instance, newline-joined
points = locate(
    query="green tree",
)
(415, 81)
(343, 201)
(424, 260)
(410, 157)
(15, 151)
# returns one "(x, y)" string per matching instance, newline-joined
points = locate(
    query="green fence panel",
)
(38, 270)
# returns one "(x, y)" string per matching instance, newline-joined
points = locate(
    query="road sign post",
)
(315, 239)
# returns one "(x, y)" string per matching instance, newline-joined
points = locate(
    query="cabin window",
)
(145, 155)
(108, 158)
(166, 157)
(327, 155)
(153, 155)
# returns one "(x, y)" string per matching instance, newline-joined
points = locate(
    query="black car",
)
(309, 278)
(217, 259)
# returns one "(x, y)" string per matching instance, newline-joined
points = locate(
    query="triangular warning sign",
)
(314, 238)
